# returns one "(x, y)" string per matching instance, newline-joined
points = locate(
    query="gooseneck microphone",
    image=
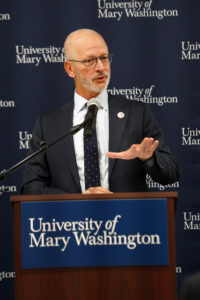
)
(90, 117)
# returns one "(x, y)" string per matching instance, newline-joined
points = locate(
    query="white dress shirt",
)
(102, 129)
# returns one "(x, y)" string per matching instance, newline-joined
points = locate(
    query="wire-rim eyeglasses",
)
(92, 62)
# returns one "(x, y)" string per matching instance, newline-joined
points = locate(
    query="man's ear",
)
(69, 69)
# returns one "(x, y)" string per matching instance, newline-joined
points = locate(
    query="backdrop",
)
(156, 59)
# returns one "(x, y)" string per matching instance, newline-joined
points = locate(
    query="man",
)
(130, 142)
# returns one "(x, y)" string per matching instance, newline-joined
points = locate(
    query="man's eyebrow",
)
(92, 56)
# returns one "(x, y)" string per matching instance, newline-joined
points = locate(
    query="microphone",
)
(90, 117)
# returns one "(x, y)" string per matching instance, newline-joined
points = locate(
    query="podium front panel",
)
(77, 233)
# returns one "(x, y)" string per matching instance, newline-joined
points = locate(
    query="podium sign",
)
(81, 233)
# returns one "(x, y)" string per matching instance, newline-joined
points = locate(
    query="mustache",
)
(106, 74)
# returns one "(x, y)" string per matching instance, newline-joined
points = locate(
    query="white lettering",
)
(5, 17)
(7, 103)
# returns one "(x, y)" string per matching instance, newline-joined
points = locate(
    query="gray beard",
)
(90, 86)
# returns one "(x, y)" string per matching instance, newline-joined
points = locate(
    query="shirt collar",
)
(79, 101)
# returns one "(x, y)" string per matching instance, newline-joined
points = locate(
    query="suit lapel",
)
(118, 113)
(64, 124)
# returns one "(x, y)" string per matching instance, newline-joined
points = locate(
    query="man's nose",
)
(99, 64)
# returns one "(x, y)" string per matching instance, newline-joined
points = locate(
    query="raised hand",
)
(142, 151)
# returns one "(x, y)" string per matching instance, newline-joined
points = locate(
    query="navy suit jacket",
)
(56, 171)
(190, 289)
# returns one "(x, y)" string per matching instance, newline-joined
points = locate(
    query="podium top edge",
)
(54, 197)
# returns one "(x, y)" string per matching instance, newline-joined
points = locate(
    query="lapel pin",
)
(120, 115)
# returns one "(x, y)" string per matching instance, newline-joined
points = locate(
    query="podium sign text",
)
(94, 233)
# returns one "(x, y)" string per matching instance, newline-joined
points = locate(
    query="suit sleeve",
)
(164, 169)
(36, 178)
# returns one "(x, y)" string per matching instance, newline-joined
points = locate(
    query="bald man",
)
(130, 141)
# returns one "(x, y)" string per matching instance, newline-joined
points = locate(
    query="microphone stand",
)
(43, 148)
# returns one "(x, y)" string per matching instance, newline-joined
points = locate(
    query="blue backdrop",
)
(156, 48)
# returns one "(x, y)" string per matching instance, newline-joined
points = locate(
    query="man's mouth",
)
(100, 78)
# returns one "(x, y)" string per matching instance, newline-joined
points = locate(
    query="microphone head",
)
(93, 101)
(90, 119)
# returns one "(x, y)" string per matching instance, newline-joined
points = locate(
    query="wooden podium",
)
(97, 283)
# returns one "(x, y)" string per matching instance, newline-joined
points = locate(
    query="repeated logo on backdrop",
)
(8, 189)
(6, 275)
(7, 103)
(155, 185)
(35, 56)
(178, 270)
(5, 17)
(24, 138)
(190, 50)
(107, 9)
(143, 95)
(190, 136)
(191, 220)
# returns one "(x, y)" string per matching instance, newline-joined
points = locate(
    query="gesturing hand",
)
(142, 151)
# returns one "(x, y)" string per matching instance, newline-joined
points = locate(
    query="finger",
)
(105, 191)
(131, 153)
(149, 145)
(146, 144)
(86, 192)
(155, 145)
(146, 149)
(97, 190)
(121, 155)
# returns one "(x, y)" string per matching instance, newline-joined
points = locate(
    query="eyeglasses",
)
(92, 62)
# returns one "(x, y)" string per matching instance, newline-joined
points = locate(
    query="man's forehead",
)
(89, 41)
(90, 46)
